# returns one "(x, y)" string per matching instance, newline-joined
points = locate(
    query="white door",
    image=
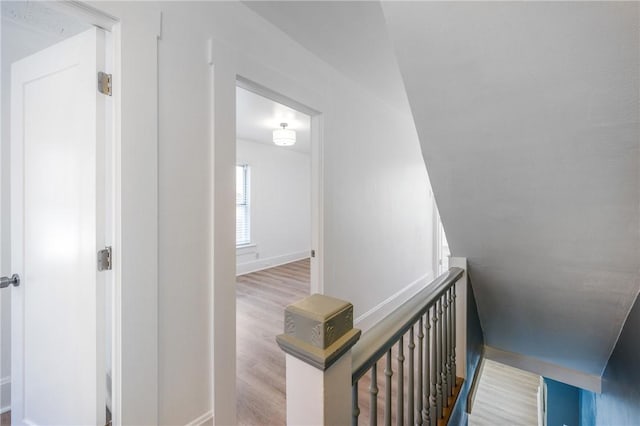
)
(57, 215)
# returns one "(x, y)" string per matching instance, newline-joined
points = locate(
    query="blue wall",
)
(619, 402)
(563, 404)
(475, 341)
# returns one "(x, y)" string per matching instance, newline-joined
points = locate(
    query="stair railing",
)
(422, 332)
(335, 374)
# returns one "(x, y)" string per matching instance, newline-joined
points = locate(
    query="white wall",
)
(376, 214)
(280, 205)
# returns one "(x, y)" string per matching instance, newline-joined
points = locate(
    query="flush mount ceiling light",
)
(284, 137)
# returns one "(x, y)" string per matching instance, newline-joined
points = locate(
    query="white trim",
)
(542, 402)
(265, 92)
(214, 339)
(435, 222)
(246, 253)
(226, 65)
(270, 262)
(384, 308)
(317, 203)
(223, 158)
(85, 13)
(135, 383)
(241, 247)
(475, 384)
(116, 399)
(556, 372)
(462, 304)
(5, 382)
(206, 418)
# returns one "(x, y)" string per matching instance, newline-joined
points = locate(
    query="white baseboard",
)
(205, 419)
(5, 393)
(270, 262)
(545, 369)
(370, 318)
(475, 383)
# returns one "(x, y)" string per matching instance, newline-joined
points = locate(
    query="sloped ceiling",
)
(349, 35)
(527, 114)
(528, 119)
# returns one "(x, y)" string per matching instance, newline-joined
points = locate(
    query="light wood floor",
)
(261, 298)
(260, 301)
(505, 396)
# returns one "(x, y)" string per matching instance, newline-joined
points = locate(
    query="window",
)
(242, 205)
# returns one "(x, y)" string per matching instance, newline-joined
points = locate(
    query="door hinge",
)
(313, 253)
(104, 83)
(104, 259)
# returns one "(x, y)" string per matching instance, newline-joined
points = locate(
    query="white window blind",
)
(242, 205)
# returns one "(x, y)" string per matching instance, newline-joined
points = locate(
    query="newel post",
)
(318, 337)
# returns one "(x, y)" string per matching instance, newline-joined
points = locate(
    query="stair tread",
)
(505, 396)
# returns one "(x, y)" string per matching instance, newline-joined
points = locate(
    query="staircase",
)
(409, 369)
(506, 396)
(423, 332)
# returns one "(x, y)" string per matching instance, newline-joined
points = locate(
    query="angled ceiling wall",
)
(528, 119)
(351, 36)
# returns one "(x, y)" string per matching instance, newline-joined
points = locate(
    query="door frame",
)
(111, 25)
(226, 65)
(316, 284)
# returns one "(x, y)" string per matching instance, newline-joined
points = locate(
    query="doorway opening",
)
(276, 240)
(58, 211)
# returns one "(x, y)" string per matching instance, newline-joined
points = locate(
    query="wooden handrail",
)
(381, 337)
(432, 386)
